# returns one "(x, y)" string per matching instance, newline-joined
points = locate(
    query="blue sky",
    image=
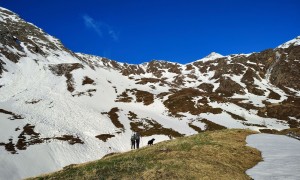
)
(136, 31)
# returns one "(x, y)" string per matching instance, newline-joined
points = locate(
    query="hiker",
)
(132, 141)
(137, 139)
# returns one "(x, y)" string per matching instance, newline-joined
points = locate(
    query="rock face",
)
(55, 103)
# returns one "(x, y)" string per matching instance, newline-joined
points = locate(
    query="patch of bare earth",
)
(29, 137)
(149, 127)
(104, 137)
(236, 117)
(206, 87)
(145, 97)
(33, 101)
(248, 79)
(70, 139)
(13, 115)
(211, 126)
(114, 117)
(124, 97)
(160, 81)
(66, 69)
(88, 92)
(283, 111)
(229, 87)
(182, 101)
(87, 80)
(286, 71)
(196, 128)
(132, 69)
(295, 131)
(273, 95)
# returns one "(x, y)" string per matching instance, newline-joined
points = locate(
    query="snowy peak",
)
(6, 14)
(211, 56)
(293, 42)
(19, 38)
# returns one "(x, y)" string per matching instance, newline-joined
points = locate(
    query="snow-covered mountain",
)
(59, 108)
(211, 56)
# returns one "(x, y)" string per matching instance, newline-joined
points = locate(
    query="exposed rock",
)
(229, 87)
(104, 137)
(87, 80)
(182, 101)
(28, 137)
(287, 72)
(206, 87)
(66, 69)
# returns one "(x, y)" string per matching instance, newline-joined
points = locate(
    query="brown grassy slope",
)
(209, 155)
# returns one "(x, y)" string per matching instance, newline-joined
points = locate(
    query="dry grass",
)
(208, 155)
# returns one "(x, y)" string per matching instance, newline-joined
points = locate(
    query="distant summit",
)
(211, 56)
(293, 42)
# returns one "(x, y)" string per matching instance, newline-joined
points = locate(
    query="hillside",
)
(58, 107)
(203, 156)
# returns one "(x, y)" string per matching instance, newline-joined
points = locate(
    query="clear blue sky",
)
(136, 31)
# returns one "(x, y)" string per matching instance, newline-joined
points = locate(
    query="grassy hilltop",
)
(209, 155)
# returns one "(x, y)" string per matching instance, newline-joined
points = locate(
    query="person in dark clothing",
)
(132, 141)
(137, 139)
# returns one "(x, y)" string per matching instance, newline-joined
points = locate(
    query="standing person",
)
(137, 139)
(132, 140)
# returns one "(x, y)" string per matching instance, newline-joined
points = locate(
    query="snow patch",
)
(281, 157)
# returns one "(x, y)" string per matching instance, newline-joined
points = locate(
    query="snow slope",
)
(281, 157)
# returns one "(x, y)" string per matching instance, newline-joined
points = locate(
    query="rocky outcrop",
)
(287, 71)
(229, 87)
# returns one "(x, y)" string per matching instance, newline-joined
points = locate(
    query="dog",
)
(150, 142)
